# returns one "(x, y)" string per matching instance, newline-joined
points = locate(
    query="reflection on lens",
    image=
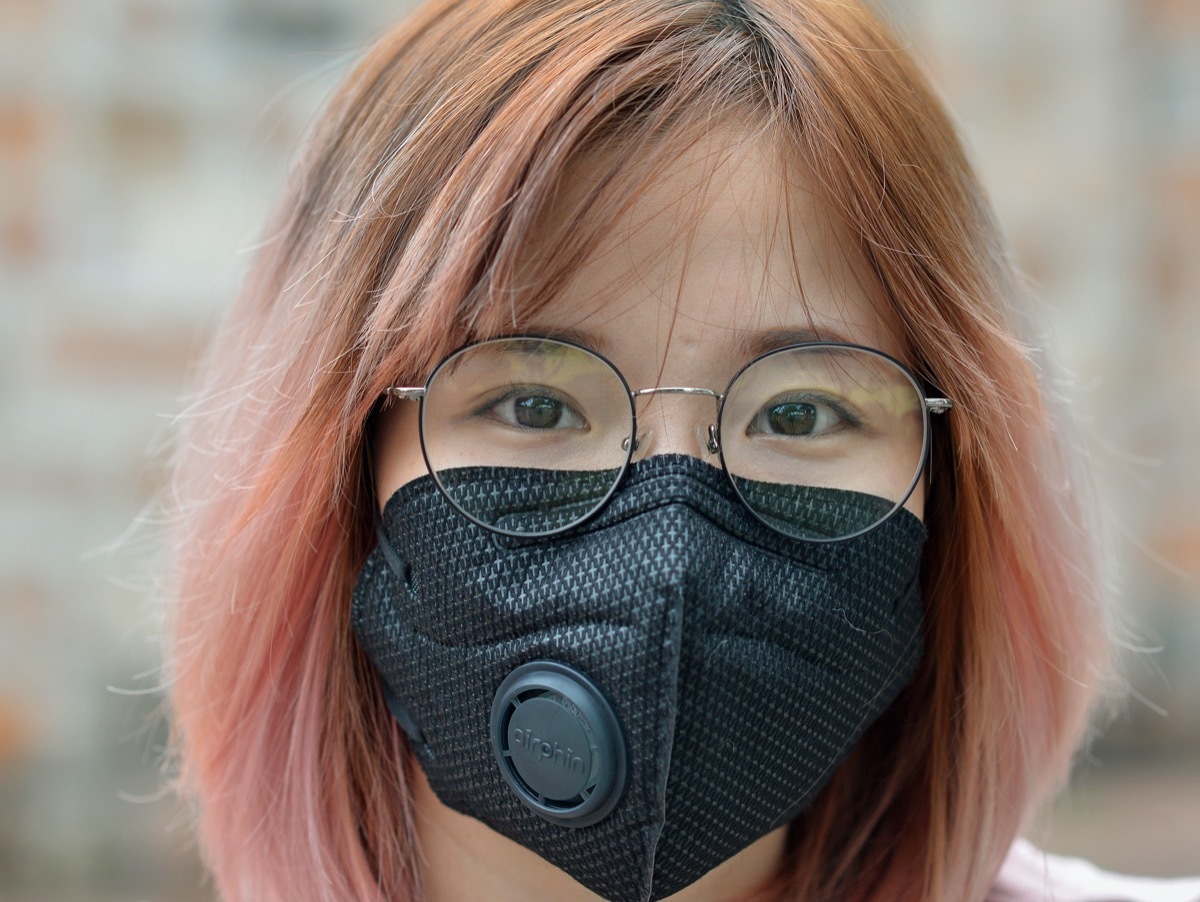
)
(811, 512)
(528, 502)
(823, 441)
(535, 404)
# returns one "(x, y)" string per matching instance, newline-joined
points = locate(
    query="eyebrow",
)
(750, 344)
(755, 344)
(589, 340)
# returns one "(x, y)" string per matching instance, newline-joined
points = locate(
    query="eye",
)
(800, 418)
(534, 407)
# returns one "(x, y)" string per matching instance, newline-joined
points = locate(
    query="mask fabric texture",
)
(741, 665)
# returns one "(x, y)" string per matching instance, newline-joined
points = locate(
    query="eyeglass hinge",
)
(938, 405)
(405, 394)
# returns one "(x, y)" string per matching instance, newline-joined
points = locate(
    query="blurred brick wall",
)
(1084, 119)
(141, 145)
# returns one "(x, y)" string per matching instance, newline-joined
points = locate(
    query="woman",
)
(465, 606)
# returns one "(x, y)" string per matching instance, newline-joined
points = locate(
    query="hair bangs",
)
(486, 254)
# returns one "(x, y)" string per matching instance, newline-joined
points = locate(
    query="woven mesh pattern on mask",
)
(471, 612)
(781, 673)
(526, 500)
(742, 665)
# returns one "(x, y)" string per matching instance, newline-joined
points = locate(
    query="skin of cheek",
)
(396, 456)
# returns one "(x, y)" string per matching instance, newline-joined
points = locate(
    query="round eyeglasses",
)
(821, 441)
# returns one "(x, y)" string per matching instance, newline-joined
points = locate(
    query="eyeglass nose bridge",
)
(712, 441)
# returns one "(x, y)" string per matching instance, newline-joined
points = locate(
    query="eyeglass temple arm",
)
(405, 394)
(935, 405)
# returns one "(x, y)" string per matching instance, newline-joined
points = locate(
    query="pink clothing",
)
(1029, 875)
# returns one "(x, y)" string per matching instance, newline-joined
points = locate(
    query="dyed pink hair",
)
(399, 239)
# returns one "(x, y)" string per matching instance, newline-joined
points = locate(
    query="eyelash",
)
(819, 401)
(514, 391)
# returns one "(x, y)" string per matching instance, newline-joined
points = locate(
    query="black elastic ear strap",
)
(394, 561)
(400, 569)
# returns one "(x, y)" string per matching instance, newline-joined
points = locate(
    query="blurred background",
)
(142, 143)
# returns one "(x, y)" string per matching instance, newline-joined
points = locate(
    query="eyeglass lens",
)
(820, 441)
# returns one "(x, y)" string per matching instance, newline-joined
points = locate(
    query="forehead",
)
(726, 252)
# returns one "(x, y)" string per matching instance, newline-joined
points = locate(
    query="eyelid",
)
(494, 399)
(839, 410)
(837, 405)
(495, 396)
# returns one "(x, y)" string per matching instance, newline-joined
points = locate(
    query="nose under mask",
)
(640, 698)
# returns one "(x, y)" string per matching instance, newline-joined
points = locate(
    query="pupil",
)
(793, 418)
(537, 412)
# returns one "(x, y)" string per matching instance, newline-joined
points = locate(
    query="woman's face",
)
(705, 271)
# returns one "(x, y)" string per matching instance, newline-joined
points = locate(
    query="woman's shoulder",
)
(1030, 875)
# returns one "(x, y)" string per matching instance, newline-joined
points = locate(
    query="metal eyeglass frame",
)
(931, 406)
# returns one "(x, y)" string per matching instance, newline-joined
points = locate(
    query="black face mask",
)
(642, 697)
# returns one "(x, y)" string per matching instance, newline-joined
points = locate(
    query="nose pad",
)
(642, 443)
